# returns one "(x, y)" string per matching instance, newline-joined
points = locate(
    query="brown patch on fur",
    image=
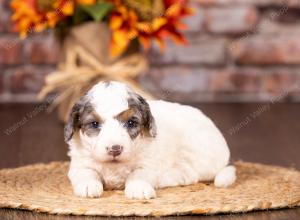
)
(81, 117)
(141, 106)
(128, 114)
(125, 115)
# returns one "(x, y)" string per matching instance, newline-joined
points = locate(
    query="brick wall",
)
(23, 63)
(239, 50)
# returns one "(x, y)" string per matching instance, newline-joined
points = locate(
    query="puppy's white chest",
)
(114, 177)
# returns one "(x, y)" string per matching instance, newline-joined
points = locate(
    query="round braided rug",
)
(45, 188)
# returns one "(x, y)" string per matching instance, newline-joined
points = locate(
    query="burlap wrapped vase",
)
(86, 60)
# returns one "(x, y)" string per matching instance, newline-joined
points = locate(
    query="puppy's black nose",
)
(115, 150)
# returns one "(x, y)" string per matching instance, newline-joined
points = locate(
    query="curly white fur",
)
(187, 148)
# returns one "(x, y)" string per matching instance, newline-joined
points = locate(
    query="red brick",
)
(190, 84)
(195, 22)
(1, 81)
(198, 51)
(6, 24)
(178, 82)
(11, 50)
(3, 18)
(43, 50)
(258, 34)
(255, 80)
(6, 3)
(263, 50)
(10, 26)
(279, 80)
(236, 81)
(230, 20)
(272, 27)
(194, 84)
(27, 80)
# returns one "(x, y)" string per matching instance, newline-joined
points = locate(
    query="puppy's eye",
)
(95, 124)
(131, 123)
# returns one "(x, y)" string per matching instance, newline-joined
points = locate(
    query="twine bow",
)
(81, 70)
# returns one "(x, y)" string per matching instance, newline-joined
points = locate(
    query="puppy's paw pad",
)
(90, 188)
(139, 189)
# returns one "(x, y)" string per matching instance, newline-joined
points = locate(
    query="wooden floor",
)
(265, 133)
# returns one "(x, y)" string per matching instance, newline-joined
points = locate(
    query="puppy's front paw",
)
(89, 188)
(138, 189)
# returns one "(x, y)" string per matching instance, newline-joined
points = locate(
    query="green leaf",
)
(97, 11)
(80, 16)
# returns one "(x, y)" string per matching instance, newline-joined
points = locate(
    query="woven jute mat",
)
(45, 188)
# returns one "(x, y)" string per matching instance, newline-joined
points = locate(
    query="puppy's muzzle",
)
(114, 150)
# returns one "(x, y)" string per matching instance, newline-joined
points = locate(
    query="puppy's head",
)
(109, 121)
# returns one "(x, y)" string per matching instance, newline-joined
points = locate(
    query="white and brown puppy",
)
(119, 140)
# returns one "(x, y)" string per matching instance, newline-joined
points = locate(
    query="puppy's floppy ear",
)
(147, 117)
(74, 118)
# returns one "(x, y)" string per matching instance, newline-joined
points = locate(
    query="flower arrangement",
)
(128, 20)
(99, 40)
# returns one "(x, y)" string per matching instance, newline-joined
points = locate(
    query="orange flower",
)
(87, 2)
(123, 24)
(126, 26)
(130, 19)
(30, 16)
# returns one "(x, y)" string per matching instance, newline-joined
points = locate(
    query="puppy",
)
(118, 140)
